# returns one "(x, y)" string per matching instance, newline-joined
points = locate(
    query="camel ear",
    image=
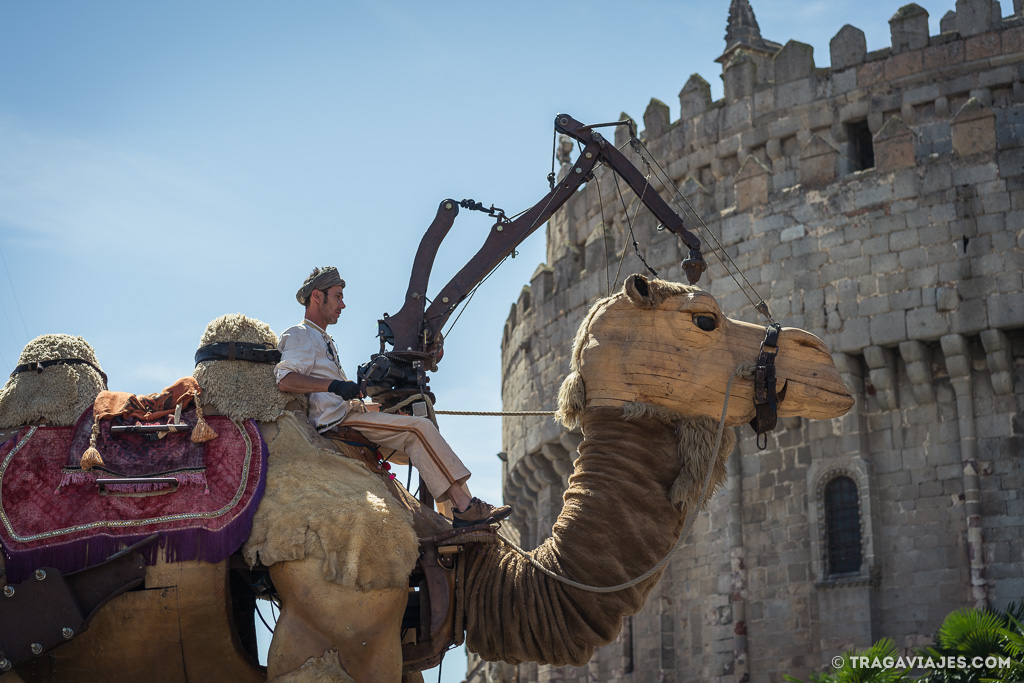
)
(639, 290)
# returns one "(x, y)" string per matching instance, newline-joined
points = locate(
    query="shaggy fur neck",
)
(694, 436)
(624, 510)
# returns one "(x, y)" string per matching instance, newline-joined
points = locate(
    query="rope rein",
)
(744, 370)
(494, 413)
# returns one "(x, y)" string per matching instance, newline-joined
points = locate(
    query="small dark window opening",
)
(862, 152)
(842, 526)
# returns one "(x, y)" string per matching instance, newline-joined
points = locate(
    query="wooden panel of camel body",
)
(650, 367)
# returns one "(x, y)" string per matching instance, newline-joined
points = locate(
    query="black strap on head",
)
(766, 400)
(40, 365)
(232, 350)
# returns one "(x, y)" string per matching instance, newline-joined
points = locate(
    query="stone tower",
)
(878, 203)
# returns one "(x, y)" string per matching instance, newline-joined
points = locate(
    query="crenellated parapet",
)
(879, 203)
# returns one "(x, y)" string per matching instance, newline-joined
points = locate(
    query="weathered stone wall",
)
(911, 268)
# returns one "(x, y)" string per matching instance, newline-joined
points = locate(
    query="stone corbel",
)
(515, 489)
(521, 479)
(537, 471)
(1000, 363)
(919, 370)
(571, 441)
(882, 373)
(559, 460)
(958, 361)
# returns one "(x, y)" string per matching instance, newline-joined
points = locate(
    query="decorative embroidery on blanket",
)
(136, 455)
(74, 527)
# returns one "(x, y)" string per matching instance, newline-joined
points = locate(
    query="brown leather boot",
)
(479, 512)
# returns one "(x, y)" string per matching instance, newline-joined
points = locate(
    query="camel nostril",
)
(641, 287)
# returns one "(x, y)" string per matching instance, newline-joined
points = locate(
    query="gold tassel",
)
(202, 432)
(91, 458)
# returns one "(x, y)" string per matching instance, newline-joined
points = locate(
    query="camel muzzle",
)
(807, 381)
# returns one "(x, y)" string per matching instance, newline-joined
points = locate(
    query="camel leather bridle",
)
(766, 398)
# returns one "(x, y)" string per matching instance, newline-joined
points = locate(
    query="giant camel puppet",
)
(648, 384)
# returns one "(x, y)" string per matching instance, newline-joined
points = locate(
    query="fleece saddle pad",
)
(70, 527)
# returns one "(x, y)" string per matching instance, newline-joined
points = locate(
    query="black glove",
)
(347, 390)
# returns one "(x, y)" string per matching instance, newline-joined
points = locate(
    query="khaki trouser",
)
(418, 439)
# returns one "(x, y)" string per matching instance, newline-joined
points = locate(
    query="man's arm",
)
(298, 356)
(297, 383)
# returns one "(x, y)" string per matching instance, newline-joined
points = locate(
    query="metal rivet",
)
(37, 648)
(579, 170)
(5, 665)
(8, 591)
(445, 299)
(40, 575)
(590, 155)
(68, 633)
(499, 228)
(563, 121)
(448, 205)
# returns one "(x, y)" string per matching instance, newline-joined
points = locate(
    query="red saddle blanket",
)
(70, 527)
(168, 455)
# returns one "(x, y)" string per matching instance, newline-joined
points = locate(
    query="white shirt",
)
(309, 350)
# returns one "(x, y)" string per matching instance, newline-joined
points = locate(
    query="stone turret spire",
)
(743, 33)
(742, 27)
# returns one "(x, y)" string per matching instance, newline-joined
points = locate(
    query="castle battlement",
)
(878, 203)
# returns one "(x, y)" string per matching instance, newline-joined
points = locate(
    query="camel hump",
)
(56, 379)
(243, 388)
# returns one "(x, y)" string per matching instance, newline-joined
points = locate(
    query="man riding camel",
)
(310, 365)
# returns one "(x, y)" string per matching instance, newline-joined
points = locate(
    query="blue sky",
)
(162, 164)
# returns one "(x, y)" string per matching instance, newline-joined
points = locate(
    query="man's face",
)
(331, 304)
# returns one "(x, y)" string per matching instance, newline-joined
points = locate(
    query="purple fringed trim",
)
(136, 488)
(69, 478)
(178, 545)
(77, 478)
(191, 478)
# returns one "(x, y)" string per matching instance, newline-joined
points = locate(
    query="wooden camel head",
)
(670, 345)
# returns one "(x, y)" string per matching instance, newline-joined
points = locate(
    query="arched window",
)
(842, 526)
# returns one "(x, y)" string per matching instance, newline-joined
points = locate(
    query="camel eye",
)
(705, 322)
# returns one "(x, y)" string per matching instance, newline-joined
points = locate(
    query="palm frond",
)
(972, 632)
